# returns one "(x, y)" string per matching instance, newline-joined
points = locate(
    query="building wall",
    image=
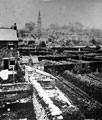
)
(8, 44)
(5, 50)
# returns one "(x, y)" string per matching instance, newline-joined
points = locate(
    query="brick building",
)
(8, 38)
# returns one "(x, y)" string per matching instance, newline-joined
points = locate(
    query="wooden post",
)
(13, 74)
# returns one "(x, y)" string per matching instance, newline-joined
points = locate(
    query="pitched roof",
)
(8, 35)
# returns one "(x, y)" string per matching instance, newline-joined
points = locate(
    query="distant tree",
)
(30, 26)
(28, 29)
(71, 43)
(78, 25)
(76, 42)
(22, 32)
(49, 39)
(96, 43)
(42, 44)
(93, 41)
(54, 26)
(31, 43)
(67, 42)
(64, 27)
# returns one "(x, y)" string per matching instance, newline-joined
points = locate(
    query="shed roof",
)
(8, 35)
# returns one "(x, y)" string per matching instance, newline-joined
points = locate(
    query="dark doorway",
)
(6, 64)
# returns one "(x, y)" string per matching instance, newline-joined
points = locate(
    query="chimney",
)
(15, 26)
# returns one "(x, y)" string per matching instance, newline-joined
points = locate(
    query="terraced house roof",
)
(8, 35)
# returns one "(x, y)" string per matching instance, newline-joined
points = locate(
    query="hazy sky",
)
(88, 12)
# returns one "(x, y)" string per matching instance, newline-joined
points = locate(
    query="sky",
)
(61, 12)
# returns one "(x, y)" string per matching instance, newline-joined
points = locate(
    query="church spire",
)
(39, 22)
(39, 16)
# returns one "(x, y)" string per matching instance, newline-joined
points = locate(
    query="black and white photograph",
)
(50, 59)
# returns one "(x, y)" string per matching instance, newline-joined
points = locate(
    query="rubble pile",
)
(50, 101)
